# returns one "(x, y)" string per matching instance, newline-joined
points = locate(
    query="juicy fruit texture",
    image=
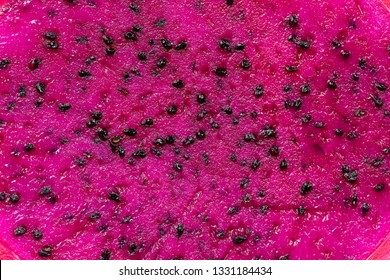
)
(194, 129)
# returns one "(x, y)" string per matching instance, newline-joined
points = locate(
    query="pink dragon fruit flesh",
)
(194, 129)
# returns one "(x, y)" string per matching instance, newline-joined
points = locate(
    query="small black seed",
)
(170, 139)
(365, 208)
(221, 71)
(156, 151)
(166, 44)
(336, 44)
(52, 45)
(161, 63)
(305, 89)
(14, 198)
(301, 210)
(102, 134)
(227, 110)
(244, 183)
(351, 177)
(97, 115)
(201, 115)
(137, 28)
(84, 74)
(233, 210)
(188, 141)
(352, 135)
(130, 132)
(4, 63)
(291, 68)
(354, 199)
(292, 20)
(81, 39)
(45, 191)
(80, 162)
(108, 40)
(239, 239)
(229, 2)
(239, 47)
(345, 54)
(261, 193)
(19, 231)
(306, 188)
(132, 248)
(258, 91)
(178, 166)
(200, 134)
(245, 64)
(386, 151)
(362, 63)
(95, 216)
(140, 153)
(291, 38)
(160, 22)
(319, 124)
(178, 84)
(233, 157)
(29, 147)
(268, 132)
(274, 151)
(110, 51)
(359, 113)
(377, 100)
(147, 122)
(121, 152)
(134, 8)
(40, 87)
(179, 231)
(172, 110)
(37, 234)
(159, 142)
(130, 35)
(181, 46)
(380, 86)
(114, 196)
(201, 98)
(338, 132)
(345, 169)
(34, 64)
(92, 123)
(331, 84)
(377, 162)
(224, 44)
(255, 164)
(106, 255)
(2, 196)
(355, 77)
(249, 137)
(303, 44)
(379, 187)
(215, 125)
(63, 107)
(306, 118)
(46, 251)
(283, 164)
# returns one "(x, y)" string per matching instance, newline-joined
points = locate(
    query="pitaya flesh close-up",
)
(194, 129)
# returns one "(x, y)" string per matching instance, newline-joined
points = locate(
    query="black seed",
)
(239, 47)
(29, 147)
(106, 255)
(291, 68)
(239, 239)
(97, 115)
(166, 44)
(81, 39)
(377, 100)
(301, 210)
(121, 152)
(102, 134)
(201, 115)
(331, 84)
(169, 139)
(95, 216)
(362, 63)
(108, 40)
(283, 164)
(292, 20)
(338, 132)
(130, 35)
(336, 44)
(224, 44)
(84, 74)
(179, 230)
(45, 191)
(233, 157)
(268, 132)
(46, 251)
(306, 118)
(201, 98)
(345, 54)
(291, 38)
(160, 22)
(130, 132)
(274, 151)
(40, 87)
(365, 208)
(147, 122)
(37, 234)
(351, 177)
(359, 113)
(377, 162)
(200, 134)
(229, 2)
(244, 183)
(156, 151)
(172, 110)
(221, 71)
(352, 135)
(134, 8)
(319, 124)
(255, 164)
(92, 123)
(305, 89)
(141, 153)
(22, 91)
(4, 63)
(258, 91)
(380, 86)
(188, 141)
(52, 45)
(386, 151)
(303, 44)
(80, 162)
(227, 109)
(379, 187)
(306, 188)
(142, 56)
(14, 198)
(132, 248)
(354, 199)
(250, 137)
(233, 210)
(34, 63)
(245, 64)
(161, 63)
(345, 169)
(159, 142)
(3, 196)
(51, 199)
(63, 107)
(110, 51)
(114, 196)
(178, 84)
(178, 166)
(20, 231)
(137, 28)
(181, 46)
(355, 77)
